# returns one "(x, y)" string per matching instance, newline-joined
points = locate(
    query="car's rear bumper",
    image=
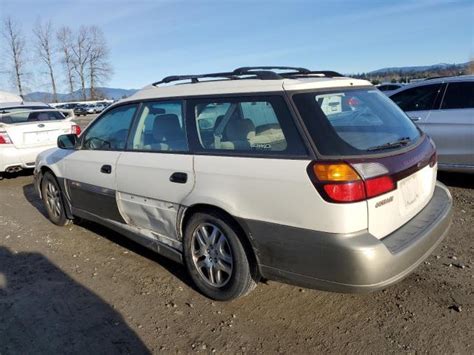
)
(356, 262)
(24, 158)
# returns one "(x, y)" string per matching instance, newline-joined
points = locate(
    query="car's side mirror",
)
(67, 141)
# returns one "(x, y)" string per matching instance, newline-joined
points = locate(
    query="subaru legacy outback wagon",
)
(268, 173)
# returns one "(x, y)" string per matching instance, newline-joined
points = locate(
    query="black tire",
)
(239, 281)
(53, 200)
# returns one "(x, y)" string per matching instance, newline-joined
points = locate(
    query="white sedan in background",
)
(27, 131)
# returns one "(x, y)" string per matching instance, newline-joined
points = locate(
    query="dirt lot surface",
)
(86, 289)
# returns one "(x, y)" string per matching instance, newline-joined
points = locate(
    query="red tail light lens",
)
(346, 192)
(75, 129)
(340, 182)
(4, 138)
(378, 186)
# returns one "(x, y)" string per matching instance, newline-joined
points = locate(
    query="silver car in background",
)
(444, 109)
(389, 88)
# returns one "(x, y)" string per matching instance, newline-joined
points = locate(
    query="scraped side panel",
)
(159, 217)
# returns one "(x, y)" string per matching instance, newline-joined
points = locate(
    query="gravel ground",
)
(84, 288)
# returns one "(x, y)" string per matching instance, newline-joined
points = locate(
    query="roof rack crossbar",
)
(243, 70)
(194, 78)
(262, 73)
(327, 73)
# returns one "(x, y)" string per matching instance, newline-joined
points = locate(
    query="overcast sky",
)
(149, 39)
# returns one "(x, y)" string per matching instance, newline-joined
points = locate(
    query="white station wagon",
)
(27, 129)
(262, 173)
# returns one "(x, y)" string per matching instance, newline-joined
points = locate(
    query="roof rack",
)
(194, 78)
(262, 73)
(270, 68)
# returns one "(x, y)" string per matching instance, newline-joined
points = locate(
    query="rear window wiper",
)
(395, 144)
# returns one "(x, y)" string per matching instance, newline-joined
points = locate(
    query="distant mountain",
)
(407, 74)
(108, 93)
(417, 69)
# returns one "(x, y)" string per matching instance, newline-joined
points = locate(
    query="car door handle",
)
(415, 119)
(179, 178)
(106, 169)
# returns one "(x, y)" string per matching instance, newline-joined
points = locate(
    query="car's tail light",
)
(5, 138)
(378, 186)
(343, 182)
(75, 129)
(345, 192)
(335, 172)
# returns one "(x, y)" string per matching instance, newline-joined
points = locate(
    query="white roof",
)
(9, 97)
(216, 87)
(22, 104)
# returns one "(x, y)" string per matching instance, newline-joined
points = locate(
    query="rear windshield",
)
(355, 122)
(22, 116)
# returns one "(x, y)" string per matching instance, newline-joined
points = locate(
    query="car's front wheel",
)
(53, 200)
(215, 257)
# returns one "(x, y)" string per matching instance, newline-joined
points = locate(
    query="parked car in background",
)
(388, 88)
(444, 109)
(68, 106)
(91, 109)
(100, 107)
(306, 177)
(88, 109)
(25, 132)
(81, 110)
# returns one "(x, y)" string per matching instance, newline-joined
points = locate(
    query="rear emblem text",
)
(384, 201)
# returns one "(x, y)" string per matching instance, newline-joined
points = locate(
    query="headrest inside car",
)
(157, 111)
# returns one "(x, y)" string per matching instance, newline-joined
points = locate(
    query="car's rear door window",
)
(458, 96)
(419, 98)
(355, 122)
(252, 125)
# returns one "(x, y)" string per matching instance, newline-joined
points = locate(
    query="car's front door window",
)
(110, 132)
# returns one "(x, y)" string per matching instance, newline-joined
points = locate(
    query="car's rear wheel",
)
(215, 257)
(53, 200)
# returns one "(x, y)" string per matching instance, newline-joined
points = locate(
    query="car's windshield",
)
(355, 122)
(22, 116)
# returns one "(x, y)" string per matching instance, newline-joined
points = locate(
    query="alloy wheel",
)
(212, 255)
(53, 199)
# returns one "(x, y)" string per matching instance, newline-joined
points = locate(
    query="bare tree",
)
(16, 51)
(86, 58)
(98, 65)
(44, 47)
(64, 37)
(81, 50)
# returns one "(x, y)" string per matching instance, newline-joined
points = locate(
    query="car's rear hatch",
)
(368, 150)
(28, 129)
(414, 176)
